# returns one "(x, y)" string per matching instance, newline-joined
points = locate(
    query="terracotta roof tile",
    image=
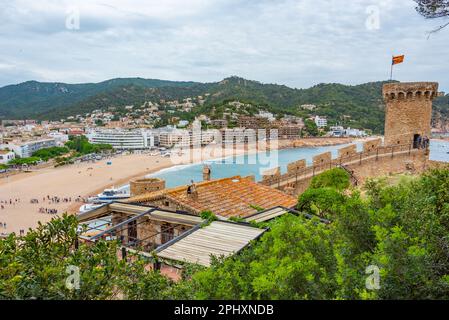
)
(226, 197)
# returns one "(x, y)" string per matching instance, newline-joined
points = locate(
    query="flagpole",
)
(391, 71)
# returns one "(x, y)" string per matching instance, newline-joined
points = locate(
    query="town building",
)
(267, 115)
(26, 149)
(161, 235)
(320, 122)
(123, 139)
(229, 197)
(337, 131)
(255, 122)
(6, 156)
(219, 123)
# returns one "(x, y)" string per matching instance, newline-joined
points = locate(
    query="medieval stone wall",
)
(296, 166)
(145, 185)
(347, 151)
(372, 145)
(322, 159)
(383, 160)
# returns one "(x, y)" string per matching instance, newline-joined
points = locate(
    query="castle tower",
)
(145, 185)
(408, 111)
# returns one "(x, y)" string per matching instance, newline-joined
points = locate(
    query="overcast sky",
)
(298, 43)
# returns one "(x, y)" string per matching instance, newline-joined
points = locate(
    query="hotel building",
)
(26, 149)
(123, 139)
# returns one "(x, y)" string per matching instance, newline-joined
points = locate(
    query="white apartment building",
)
(355, 133)
(267, 115)
(6, 156)
(337, 131)
(60, 138)
(26, 149)
(182, 138)
(320, 122)
(123, 139)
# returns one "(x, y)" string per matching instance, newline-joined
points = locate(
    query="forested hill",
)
(359, 106)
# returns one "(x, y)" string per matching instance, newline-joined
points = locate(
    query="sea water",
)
(250, 165)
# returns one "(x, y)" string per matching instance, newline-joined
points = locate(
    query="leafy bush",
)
(401, 230)
(322, 202)
(50, 153)
(334, 178)
(82, 145)
(25, 161)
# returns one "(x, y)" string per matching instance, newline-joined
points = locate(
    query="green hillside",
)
(358, 106)
(34, 99)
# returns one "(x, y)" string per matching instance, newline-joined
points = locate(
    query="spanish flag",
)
(397, 59)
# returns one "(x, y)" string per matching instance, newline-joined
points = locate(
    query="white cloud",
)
(294, 42)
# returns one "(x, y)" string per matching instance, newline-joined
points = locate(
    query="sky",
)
(298, 43)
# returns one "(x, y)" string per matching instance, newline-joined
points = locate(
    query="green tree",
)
(334, 178)
(311, 128)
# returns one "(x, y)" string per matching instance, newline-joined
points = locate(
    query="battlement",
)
(140, 186)
(374, 155)
(410, 91)
(408, 111)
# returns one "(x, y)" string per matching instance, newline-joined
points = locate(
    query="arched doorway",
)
(417, 139)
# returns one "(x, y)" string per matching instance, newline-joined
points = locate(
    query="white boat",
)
(113, 194)
(89, 206)
(109, 195)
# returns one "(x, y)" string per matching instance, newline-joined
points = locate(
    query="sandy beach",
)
(87, 179)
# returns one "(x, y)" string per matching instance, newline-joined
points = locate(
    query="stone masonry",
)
(408, 111)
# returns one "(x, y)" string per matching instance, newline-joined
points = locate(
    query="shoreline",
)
(87, 179)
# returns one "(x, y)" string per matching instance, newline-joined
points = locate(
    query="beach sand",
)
(88, 179)
(85, 179)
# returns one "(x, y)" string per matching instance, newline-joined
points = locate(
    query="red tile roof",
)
(228, 197)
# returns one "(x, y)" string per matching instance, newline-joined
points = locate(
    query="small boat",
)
(89, 206)
(113, 194)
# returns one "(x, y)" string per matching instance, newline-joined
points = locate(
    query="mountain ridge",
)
(362, 103)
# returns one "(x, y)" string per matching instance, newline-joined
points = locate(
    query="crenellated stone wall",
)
(407, 120)
(375, 160)
(372, 145)
(322, 158)
(296, 166)
(271, 175)
(347, 151)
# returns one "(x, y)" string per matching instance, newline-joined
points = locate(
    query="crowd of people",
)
(48, 211)
(12, 202)
(51, 201)
(422, 142)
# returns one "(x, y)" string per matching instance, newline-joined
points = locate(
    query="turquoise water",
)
(256, 164)
(439, 150)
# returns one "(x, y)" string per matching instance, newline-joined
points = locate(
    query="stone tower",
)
(145, 185)
(408, 111)
(206, 173)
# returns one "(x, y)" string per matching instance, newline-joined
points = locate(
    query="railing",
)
(354, 179)
(356, 158)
